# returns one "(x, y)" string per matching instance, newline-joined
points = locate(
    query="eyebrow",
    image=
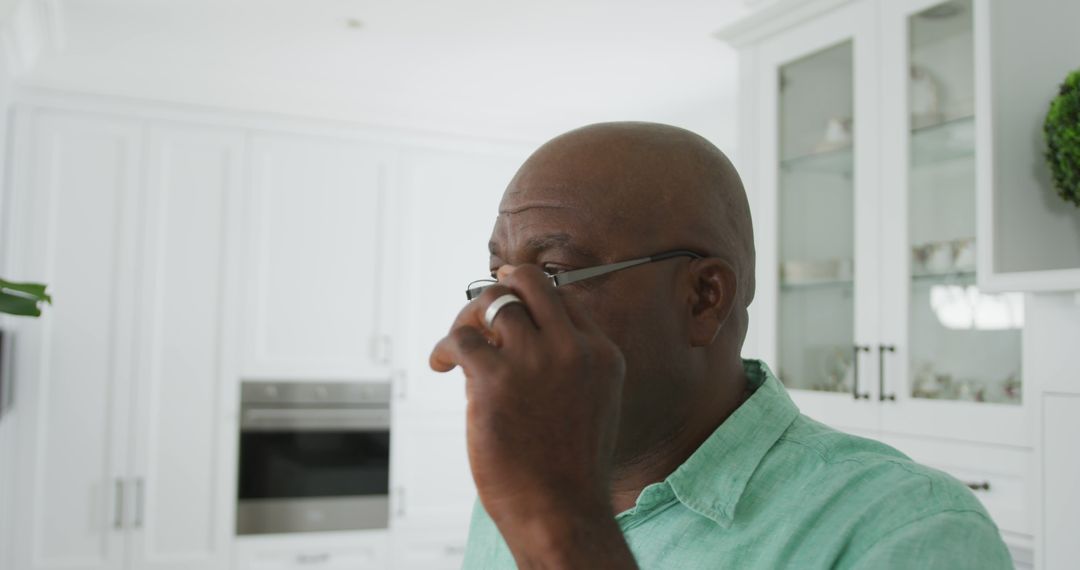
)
(538, 244)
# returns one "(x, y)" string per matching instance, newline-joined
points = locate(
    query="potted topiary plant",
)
(22, 299)
(1062, 129)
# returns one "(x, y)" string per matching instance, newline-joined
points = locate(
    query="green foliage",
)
(1062, 129)
(23, 299)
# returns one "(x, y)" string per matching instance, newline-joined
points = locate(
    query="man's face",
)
(558, 227)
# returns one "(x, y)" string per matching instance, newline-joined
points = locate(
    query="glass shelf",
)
(837, 161)
(795, 285)
(943, 141)
(958, 277)
(948, 140)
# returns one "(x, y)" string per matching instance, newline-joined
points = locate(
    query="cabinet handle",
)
(882, 349)
(978, 486)
(381, 348)
(118, 504)
(401, 501)
(7, 372)
(402, 380)
(139, 502)
(855, 384)
(320, 558)
(387, 348)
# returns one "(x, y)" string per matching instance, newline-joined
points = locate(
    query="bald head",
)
(617, 191)
(646, 186)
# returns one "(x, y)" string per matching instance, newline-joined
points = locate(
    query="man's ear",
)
(712, 299)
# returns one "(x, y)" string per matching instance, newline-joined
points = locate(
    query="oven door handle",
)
(273, 419)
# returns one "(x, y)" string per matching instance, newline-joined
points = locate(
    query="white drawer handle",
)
(978, 486)
(313, 558)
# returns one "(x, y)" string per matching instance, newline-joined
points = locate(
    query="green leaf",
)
(35, 291)
(23, 306)
(1062, 132)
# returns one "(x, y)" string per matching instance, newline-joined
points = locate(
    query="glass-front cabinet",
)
(819, 295)
(892, 154)
(870, 303)
(950, 351)
(816, 222)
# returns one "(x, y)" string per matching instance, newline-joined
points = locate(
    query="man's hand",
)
(544, 388)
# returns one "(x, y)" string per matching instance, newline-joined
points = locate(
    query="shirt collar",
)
(713, 479)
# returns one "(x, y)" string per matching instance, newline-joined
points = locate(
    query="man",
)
(611, 421)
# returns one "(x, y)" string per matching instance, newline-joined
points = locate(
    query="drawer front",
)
(429, 550)
(315, 559)
(999, 476)
(317, 551)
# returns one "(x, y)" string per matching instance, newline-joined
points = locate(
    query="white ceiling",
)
(507, 69)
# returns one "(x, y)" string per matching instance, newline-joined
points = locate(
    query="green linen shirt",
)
(771, 488)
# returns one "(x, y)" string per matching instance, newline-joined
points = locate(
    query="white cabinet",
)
(432, 482)
(870, 138)
(184, 257)
(182, 460)
(939, 307)
(893, 157)
(452, 199)
(76, 182)
(815, 211)
(1061, 481)
(120, 383)
(318, 280)
(1025, 50)
(1050, 346)
(433, 491)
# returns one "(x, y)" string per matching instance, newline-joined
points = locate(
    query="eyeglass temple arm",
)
(588, 273)
(676, 253)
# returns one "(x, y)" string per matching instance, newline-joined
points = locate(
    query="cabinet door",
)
(1061, 471)
(432, 485)
(816, 213)
(75, 193)
(1029, 236)
(314, 260)
(182, 491)
(453, 200)
(951, 352)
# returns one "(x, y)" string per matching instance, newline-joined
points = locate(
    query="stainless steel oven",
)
(313, 457)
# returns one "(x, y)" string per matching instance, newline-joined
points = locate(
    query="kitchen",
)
(256, 220)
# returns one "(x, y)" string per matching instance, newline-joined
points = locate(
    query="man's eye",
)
(553, 269)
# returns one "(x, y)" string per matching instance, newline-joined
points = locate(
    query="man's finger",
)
(512, 321)
(472, 314)
(536, 289)
(466, 347)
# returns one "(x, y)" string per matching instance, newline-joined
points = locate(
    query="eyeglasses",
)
(568, 277)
